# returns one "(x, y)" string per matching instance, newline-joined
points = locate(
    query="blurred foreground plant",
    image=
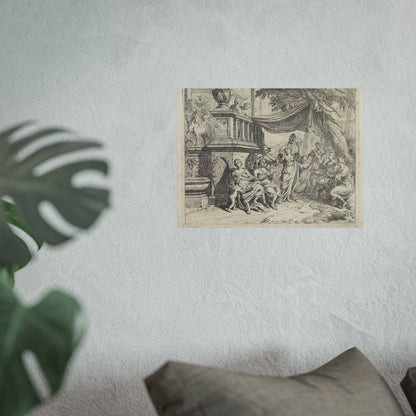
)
(31, 173)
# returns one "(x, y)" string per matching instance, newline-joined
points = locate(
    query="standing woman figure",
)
(290, 172)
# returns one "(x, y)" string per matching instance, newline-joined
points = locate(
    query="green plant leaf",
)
(80, 206)
(51, 329)
(13, 219)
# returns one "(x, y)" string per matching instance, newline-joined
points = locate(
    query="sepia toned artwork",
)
(270, 157)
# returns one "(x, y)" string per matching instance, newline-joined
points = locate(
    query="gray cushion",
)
(349, 385)
(409, 387)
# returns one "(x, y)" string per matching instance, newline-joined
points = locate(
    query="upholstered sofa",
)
(348, 385)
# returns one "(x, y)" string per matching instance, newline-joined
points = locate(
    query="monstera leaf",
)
(13, 219)
(21, 182)
(52, 330)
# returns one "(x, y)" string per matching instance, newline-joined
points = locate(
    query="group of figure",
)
(319, 175)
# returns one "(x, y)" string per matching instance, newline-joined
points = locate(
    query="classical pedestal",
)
(235, 137)
(208, 167)
(197, 191)
(198, 179)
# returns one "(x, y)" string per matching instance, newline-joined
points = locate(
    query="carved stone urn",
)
(222, 96)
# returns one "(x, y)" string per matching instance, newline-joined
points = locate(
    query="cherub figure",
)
(239, 106)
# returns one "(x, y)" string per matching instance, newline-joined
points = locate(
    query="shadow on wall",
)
(110, 396)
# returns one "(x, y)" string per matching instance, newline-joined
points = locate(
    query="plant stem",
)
(7, 275)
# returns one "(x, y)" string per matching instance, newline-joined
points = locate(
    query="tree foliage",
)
(286, 99)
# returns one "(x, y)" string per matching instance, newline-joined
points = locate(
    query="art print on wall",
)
(268, 157)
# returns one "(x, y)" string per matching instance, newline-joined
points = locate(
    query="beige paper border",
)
(359, 159)
(181, 159)
(359, 206)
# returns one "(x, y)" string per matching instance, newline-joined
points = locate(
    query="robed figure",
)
(288, 156)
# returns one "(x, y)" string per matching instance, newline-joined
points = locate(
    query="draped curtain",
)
(310, 116)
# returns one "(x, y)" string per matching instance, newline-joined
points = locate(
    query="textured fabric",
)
(306, 117)
(299, 118)
(409, 387)
(349, 385)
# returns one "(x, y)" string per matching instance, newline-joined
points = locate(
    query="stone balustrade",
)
(230, 136)
(235, 130)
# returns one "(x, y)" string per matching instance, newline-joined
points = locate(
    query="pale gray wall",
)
(272, 301)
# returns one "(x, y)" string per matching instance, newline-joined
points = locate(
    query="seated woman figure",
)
(264, 176)
(244, 186)
(344, 184)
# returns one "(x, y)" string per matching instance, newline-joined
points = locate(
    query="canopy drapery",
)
(309, 116)
(298, 118)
